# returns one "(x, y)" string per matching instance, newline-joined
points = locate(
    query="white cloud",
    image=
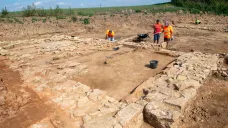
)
(37, 3)
(61, 3)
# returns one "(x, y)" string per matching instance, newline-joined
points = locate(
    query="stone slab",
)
(131, 116)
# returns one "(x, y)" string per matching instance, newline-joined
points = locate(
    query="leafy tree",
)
(4, 12)
(41, 12)
(70, 12)
(58, 11)
(29, 11)
(217, 6)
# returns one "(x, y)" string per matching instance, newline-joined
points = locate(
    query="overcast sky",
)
(15, 5)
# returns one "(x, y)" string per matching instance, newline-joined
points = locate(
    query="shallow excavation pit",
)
(121, 71)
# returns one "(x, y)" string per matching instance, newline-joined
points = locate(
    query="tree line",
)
(216, 6)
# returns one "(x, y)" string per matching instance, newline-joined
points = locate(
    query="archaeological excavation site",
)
(66, 75)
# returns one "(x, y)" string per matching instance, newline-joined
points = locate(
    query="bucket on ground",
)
(153, 64)
(116, 48)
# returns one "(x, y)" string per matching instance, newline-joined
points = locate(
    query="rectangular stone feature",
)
(131, 116)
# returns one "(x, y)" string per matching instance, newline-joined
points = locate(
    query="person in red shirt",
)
(157, 31)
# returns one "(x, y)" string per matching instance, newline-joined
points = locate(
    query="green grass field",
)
(33, 11)
(149, 8)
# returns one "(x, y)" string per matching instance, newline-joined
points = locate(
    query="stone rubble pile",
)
(201, 28)
(171, 91)
(221, 73)
(129, 42)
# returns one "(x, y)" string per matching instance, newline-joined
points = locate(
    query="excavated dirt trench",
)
(115, 72)
(120, 72)
(97, 65)
(19, 106)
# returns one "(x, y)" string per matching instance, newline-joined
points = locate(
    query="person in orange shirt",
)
(157, 31)
(110, 35)
(168, 33)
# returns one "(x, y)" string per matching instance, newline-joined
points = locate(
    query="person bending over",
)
(110, 35)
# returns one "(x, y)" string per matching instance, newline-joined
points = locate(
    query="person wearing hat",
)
(157, 31)
(110, 35)
(168, 32)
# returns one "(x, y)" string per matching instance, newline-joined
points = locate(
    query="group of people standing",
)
(167, 29)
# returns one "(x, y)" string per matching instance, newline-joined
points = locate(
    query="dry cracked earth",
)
(62, 81)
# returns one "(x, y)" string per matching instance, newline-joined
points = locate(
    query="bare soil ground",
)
(19, 106)
(210, 107)
(200, 40)
(124, 70)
